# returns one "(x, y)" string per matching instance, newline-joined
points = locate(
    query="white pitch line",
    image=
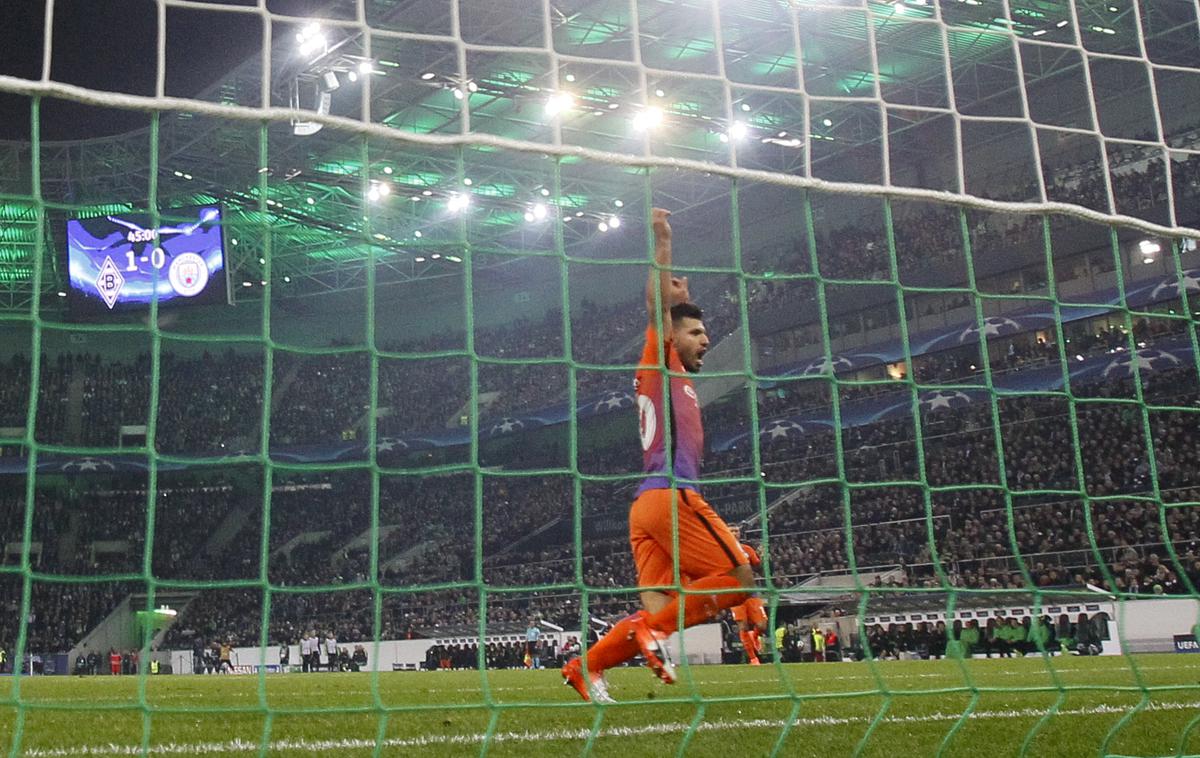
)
(323, 746)
(162, 698)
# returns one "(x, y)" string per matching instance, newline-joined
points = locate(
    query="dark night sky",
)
(111, 45)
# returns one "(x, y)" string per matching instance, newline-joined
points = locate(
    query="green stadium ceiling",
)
(322, 206)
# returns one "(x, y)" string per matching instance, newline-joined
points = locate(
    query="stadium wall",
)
(703, 646)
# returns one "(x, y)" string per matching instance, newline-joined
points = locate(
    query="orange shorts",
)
(706, 546)
(751, 612)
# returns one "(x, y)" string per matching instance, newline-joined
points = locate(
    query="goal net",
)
(319, 328)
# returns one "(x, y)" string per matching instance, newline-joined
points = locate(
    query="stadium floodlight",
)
(366, 67)
(558, 103)
(648, 119)
(602, 227)
(619, 203)
(738, 130)
(305, 128)
(312, 39)
(378, 191)
(540, 211)
(427, 76)
(614, 222)
(1149, 250)
(458, 202)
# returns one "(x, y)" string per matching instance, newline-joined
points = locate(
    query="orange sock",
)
(755, 640)
(698, 608)
(614, 648)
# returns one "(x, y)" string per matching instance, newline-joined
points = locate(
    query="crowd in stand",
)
(973, 535)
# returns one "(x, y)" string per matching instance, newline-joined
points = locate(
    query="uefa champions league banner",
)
(1111, 366)
(1166, 354)
(1027, 320)
(387, 449)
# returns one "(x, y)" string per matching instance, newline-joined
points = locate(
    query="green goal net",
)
(319, 330)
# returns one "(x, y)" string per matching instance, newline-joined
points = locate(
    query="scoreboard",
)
(122, 262)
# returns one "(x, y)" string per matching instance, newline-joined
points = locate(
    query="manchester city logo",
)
(188, 274)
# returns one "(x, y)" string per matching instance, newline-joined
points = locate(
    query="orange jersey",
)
(751, 556)
(681, 411)
(751, 612)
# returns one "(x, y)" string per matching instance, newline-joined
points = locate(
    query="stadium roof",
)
(310, 201)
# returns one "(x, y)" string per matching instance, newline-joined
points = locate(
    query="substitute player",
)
(709, 556)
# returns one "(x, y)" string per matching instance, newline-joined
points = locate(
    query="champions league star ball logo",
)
(781, 429)
(993, 326)
(507, 426)
(942, 399)
(88, 464)
(613, 400)
(188, 274)
(390, 444)
(828, 367)
(1190, 281)
(1147, 360)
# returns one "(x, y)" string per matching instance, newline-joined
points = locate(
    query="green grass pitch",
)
(831, 708)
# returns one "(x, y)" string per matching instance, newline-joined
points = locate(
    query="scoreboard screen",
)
(119, 262)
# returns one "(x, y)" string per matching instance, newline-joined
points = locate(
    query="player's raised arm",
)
(670, 290)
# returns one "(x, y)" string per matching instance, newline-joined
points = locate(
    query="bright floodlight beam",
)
(558, 103)
(311, 39)
(648, 119)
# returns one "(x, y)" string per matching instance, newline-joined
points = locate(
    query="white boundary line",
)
(324, 746)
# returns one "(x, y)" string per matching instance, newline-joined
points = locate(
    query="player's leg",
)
(745, 632)
(707, 549)
(654, 568)
(620, 644)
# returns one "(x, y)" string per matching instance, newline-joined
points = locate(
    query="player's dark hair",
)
(686, 310)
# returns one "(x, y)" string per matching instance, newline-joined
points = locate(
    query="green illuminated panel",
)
(339, 168)
(13, 254)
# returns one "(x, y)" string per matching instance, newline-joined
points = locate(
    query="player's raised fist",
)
(659, 223)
